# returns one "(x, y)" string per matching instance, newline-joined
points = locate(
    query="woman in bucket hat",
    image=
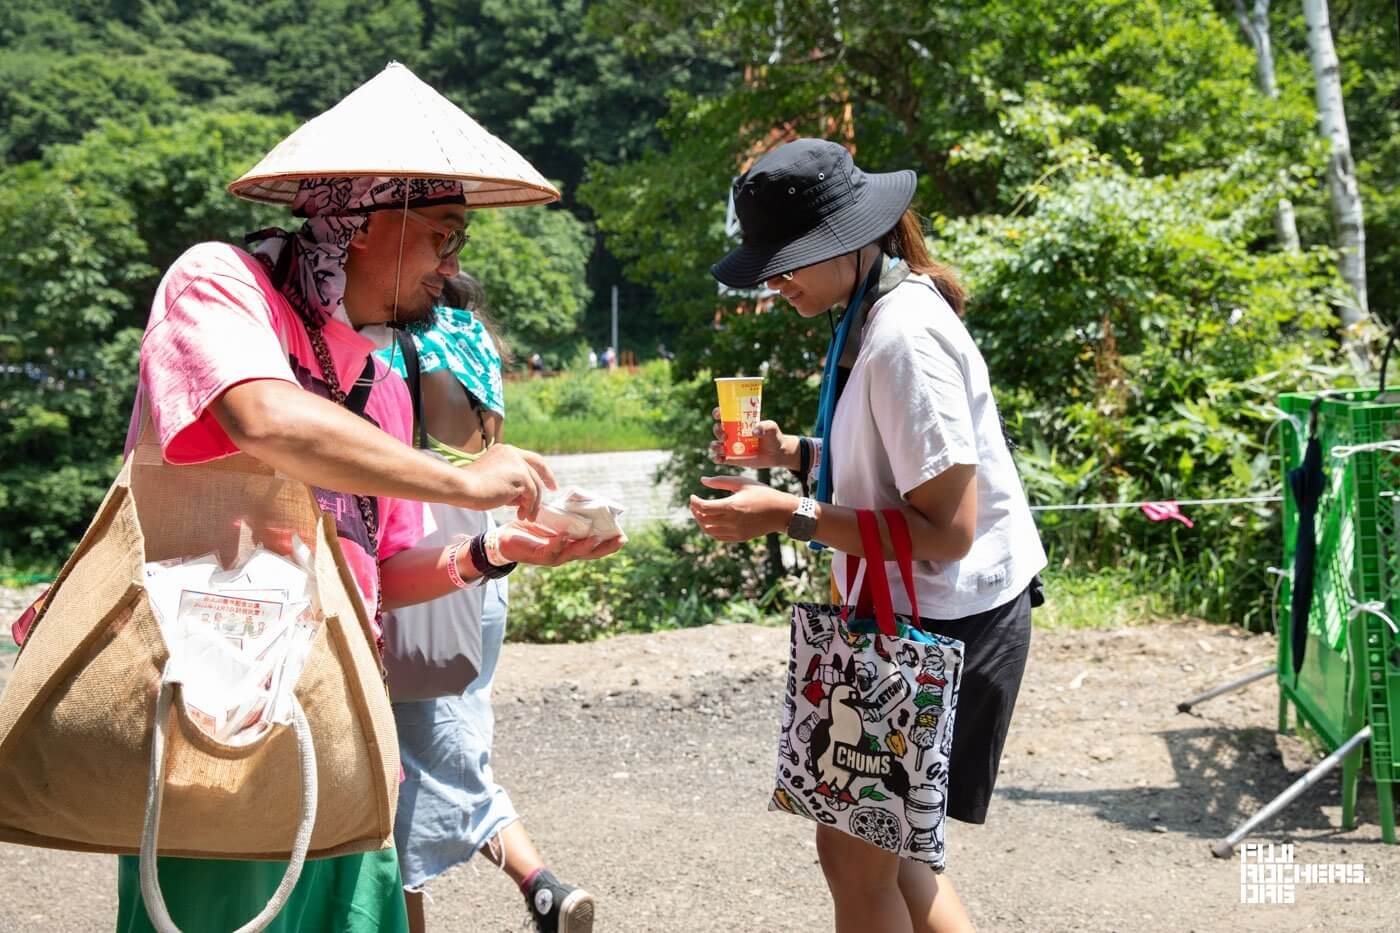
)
(911, 424)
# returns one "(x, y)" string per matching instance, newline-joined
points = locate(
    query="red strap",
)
(852, 568)
(19, 631)
(876, 582)
(904, 553)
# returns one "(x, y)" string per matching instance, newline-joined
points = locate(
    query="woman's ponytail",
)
(906, 241)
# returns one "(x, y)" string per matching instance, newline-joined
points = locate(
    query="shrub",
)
(666, 577)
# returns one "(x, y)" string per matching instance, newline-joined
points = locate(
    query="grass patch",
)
(14, 578)
(1097, 599)
(589, 410)
(580, 436)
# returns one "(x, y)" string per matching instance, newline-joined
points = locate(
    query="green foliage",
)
(81, 233)
(584, 411)
(532, 263)
(666, 577)
(1104, 175)
(1159, 340)
(513, 80)
(121, 124)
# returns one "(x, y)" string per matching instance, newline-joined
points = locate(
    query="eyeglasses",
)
(453, 238)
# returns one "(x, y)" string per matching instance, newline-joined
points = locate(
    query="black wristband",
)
(477, 552)
(804, 462)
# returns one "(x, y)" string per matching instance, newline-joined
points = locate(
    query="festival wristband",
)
(493, 548)
(483, 563)
(453, 573)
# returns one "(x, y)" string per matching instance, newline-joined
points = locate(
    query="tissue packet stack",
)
(577, 514)
(238, 639)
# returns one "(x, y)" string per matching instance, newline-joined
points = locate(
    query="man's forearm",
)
(419, 574)
(318, 442)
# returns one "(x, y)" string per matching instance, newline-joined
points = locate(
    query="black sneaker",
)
(558, 908)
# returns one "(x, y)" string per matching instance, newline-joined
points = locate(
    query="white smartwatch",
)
(803, 524)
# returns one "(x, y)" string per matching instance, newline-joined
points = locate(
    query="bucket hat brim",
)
(396, 126)
(875, 210)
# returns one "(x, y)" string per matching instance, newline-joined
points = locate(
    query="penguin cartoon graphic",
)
(840, 727)
(841, 751)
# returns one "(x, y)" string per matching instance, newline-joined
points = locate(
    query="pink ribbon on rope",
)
(1166, 511)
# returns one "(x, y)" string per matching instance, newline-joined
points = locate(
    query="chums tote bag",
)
(868, 716)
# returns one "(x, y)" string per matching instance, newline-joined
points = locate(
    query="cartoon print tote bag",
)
(868, 716)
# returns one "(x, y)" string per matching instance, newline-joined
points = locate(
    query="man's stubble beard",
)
(426, 314)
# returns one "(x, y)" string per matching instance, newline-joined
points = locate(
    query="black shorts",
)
(996, 643)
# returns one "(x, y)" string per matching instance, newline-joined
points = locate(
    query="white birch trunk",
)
(1255, 23)
(1347, 221)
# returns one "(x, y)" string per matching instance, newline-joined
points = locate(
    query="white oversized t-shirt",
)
(919, 400)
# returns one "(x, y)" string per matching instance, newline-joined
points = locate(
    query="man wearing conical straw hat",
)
(261, 353)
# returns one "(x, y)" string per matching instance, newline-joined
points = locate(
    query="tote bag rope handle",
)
(155, 787)
(879, 587)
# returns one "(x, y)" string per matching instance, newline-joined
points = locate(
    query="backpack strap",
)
(414, 378)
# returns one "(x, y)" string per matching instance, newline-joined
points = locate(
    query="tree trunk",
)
(1255, 23)
(1347, 222)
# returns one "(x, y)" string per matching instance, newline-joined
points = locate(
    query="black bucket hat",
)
(806, 202)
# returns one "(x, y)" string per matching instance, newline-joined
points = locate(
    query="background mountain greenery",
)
(1103, 175)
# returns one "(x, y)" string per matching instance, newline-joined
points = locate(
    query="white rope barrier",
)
(1087, 506)
(1343, 451)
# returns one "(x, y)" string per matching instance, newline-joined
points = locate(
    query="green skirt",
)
(355, 893)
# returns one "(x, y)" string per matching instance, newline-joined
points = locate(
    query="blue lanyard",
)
(826, 405)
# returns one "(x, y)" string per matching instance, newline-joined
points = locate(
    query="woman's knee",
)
(851, 865)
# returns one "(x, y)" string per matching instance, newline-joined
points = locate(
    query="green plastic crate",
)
(1351, 668)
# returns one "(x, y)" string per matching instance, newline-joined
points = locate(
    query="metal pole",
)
(616, 349)
(1185, 705)
(1226, 846)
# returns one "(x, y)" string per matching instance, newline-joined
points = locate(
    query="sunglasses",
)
(453, 238)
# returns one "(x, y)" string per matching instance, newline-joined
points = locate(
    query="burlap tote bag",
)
(79, 765)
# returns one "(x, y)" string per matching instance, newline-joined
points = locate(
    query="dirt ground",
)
(642, 767)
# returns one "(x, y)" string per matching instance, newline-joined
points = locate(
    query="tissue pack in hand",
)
(577, 514)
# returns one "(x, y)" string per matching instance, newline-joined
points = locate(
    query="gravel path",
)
(641, 765)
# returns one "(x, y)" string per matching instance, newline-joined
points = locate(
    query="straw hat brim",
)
(396, 126)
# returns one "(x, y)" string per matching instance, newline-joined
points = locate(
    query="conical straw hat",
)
(397, 126)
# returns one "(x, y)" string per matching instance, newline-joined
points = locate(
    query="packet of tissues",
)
(577, 514)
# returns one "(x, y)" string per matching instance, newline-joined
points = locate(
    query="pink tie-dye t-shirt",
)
(217, 321)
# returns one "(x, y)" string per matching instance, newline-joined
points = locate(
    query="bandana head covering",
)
(308, 266)
(456, 341)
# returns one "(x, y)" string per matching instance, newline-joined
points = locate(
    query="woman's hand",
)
(532, 543)
(775, 449)
(753, 510)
